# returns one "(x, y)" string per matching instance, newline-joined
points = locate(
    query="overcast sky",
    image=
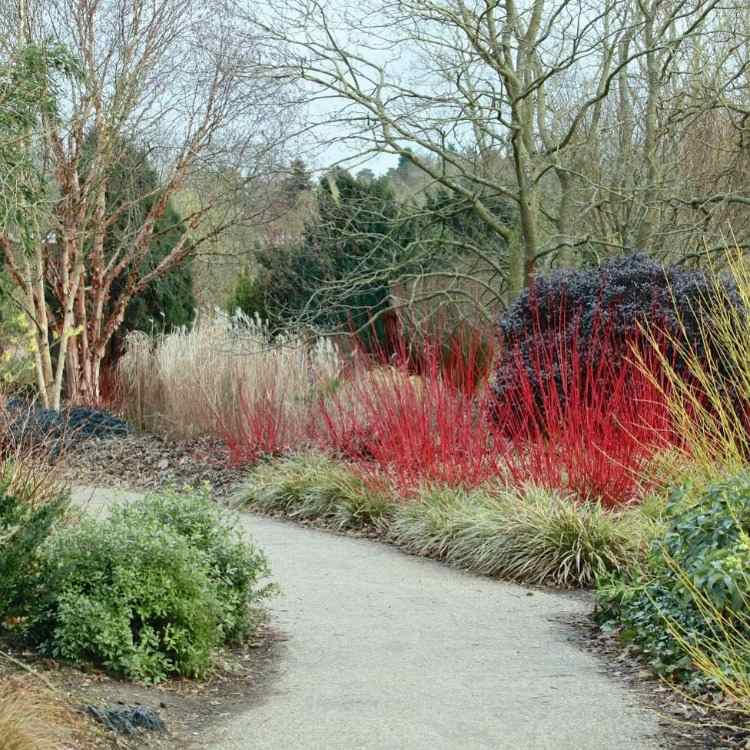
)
(379, 164)
(327, 144)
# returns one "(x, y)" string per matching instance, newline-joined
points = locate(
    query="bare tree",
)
(174, 78)
(582, 114)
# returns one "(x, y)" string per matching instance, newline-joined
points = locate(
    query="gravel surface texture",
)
(389, 651)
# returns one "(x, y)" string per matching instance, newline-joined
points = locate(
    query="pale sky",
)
(366, 39)
(379, 164)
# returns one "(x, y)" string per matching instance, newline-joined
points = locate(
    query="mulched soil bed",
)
(148, 462)
(188, 709)
(687, 724)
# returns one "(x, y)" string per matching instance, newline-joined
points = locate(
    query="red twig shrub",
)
(264, 426)
(579, 419)
(463, 354)
(421, 427)
(586, 422)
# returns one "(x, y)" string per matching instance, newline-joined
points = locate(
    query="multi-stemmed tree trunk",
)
(171, 77)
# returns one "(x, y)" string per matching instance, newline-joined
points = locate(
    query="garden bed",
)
(189, 710)
(143, 461)
(555, 471)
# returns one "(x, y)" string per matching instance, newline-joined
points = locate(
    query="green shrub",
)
(248, 296)
(17, 371)
(693, 578)
(30, 507)
(235, 567)
(535, 537)
(149, 592)
(313, 487)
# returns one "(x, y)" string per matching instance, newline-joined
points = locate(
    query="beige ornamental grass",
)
(33, 719)
(198, 381)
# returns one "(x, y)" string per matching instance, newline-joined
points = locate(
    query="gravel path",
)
(390, 652)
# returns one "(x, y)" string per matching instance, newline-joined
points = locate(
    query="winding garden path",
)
(389, 652)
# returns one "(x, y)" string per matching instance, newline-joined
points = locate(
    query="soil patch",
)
(149, 462)
(188, 708)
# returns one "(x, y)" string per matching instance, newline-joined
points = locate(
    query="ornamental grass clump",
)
(429, 523)
(31, 718)
(227, 376)
(314, 487)
(550, 539)
(533, 536)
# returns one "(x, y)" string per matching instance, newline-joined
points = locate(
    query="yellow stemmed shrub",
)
(704, 373)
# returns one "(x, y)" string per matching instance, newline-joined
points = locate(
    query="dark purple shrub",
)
(574, 308)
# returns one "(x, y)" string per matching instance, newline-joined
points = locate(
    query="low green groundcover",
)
(695, 580)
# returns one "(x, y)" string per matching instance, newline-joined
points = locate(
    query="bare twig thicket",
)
(607, 126)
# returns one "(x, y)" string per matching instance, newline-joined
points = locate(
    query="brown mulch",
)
(189, 709)
(148, 462)
(688, 723)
